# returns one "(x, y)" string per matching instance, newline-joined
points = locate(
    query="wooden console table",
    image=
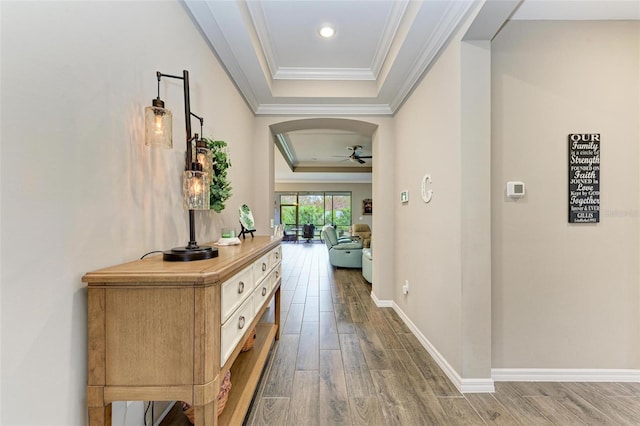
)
(169, 331)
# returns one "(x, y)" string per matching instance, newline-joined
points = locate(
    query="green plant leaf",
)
(220, 188)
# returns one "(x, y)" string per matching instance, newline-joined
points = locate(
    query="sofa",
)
(367, 263)
(342, 253)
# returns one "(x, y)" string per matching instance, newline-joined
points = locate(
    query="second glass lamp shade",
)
(195, 190)
(204, 157)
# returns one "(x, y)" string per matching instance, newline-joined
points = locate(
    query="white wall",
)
(79, 189)
(565, 295)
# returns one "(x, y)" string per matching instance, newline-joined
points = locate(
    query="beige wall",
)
(427, 236)
(502, 284)
(80, 190)
(443, 247)
(565, 295)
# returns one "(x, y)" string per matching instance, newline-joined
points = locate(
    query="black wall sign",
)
(584, 177)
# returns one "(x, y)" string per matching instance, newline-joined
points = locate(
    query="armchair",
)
(342, 254)
(367, 263)
(363, 231)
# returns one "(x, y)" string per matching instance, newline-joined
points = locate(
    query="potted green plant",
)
(220, 187)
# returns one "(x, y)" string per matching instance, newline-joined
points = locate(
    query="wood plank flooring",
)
(341, 360)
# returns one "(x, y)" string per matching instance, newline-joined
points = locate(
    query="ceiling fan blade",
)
(364, 156)
(360, 161)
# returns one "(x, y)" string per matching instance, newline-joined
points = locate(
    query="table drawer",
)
(261, 293)
(232, 331)
(275, 275)
(261, 268)
(275, 256)
(234, 291)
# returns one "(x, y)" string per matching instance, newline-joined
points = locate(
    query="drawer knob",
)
(240, 287)
(277, 274)
(264, 266)
(241, 321)
(277, 255)
(264, 291)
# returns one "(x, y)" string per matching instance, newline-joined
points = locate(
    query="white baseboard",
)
(477, 386)
(564, 375)
(511, 374)
(382, 303)
(463, 385)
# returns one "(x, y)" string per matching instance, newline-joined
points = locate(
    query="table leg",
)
(205, 415)
(277, 311)
(100, 416)
(99, 411)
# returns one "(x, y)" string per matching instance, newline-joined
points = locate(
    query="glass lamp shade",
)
(158, 131)
(195, 190)
(204, 157)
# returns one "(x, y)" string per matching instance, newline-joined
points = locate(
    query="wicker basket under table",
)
(223, 397)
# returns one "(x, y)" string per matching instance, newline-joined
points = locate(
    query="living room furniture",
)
(169, 331)
(363, 231)
(367, 263)
(345, 254)
(278, 230)
(290, 235)
(308, 231)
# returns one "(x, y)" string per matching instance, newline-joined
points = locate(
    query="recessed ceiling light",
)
(327, 31)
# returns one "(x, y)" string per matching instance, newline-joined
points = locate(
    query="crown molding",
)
(435, 42)
(212, 24)
(328, 169)
(398, 10)
(323, 109)
(259, 22)
(236, 33)
(293, 73)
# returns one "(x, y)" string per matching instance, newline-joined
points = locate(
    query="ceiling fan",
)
(354, 156)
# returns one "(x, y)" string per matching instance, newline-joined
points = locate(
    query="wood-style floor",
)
(341, 360)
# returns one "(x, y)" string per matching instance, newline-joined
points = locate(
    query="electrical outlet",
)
(405, 287)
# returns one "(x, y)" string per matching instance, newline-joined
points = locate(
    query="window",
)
(318, 208)
(338, 211)
(311, 209)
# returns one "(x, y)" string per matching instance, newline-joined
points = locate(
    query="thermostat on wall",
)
(515, 189)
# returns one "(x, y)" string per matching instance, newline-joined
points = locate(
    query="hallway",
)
(341, 361)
